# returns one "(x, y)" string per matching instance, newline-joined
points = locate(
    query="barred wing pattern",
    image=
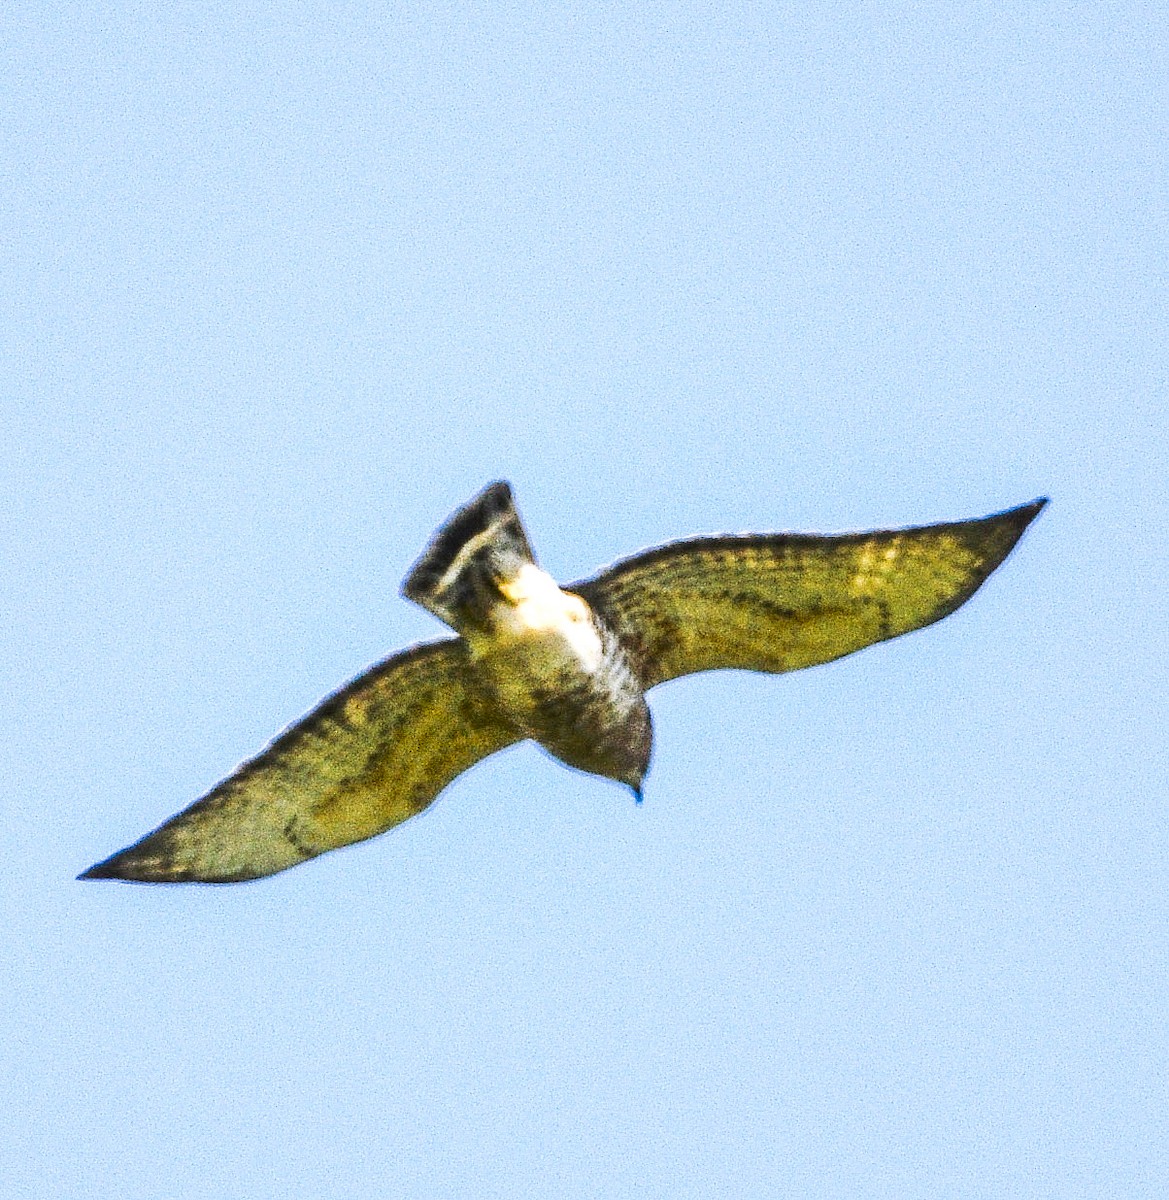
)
(780, 602)
(371, 755)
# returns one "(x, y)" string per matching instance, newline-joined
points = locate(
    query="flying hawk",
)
(568, 668)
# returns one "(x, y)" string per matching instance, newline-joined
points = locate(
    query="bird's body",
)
(565, 667)
(555, 673)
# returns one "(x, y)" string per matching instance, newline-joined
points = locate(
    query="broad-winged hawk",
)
(568, 668)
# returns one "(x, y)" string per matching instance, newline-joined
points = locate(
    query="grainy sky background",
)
(282, 285)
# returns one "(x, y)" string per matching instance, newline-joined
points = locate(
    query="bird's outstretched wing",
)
(780, 602)
(371, 755)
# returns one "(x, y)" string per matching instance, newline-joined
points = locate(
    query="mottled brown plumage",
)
(567, 668)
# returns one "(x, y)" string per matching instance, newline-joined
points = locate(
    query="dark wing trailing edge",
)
(780, 602)
(373, 754)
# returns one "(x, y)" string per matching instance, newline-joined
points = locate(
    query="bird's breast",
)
(539, 629)
(542, 649)
(562, 679)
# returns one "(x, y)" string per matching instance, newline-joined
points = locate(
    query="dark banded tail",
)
(479, 546)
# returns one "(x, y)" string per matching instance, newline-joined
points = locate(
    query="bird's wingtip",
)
(97, 871)
(1024, 514)
(117, 866)
(1016, 519)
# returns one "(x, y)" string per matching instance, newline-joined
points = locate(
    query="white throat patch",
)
(535, 610)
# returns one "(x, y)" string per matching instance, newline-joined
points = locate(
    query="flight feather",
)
(779, 602)
(373, 754)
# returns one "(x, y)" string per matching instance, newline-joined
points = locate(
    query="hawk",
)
(566, 667)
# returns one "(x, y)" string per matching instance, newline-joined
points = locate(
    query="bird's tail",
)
(480, 546)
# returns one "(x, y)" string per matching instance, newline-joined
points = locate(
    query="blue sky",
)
(283, 284)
